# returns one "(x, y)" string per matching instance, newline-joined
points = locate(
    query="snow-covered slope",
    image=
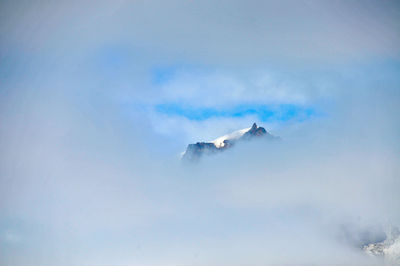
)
(219, 142)
(389, 249)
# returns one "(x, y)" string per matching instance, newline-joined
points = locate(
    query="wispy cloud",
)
(96, 101)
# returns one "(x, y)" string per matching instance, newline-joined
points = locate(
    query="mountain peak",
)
(195, 151)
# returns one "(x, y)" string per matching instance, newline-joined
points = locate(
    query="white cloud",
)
(89, 178)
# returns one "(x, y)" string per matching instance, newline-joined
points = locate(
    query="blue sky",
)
(263, 113)
(276, 112)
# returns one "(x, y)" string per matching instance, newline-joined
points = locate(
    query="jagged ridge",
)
(195, 151)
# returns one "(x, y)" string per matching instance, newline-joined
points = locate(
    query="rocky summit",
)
(197, 150)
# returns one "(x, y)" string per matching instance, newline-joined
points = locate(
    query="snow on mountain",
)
(195, 151)
(219, 142)
(389, 249)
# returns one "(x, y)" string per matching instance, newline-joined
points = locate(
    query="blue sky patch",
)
(282, 112)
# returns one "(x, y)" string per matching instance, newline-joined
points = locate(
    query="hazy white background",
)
(89, 167)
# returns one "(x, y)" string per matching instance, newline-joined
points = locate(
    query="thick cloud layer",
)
(83, 188)
(89, 166)
(228, 31)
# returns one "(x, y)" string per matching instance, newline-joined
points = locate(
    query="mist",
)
(97, 103)
(82, 190)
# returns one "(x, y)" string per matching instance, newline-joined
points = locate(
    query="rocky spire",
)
(255, 131)
(195, 151)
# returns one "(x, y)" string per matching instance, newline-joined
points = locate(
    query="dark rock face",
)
(195, 151)
(255, 131)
